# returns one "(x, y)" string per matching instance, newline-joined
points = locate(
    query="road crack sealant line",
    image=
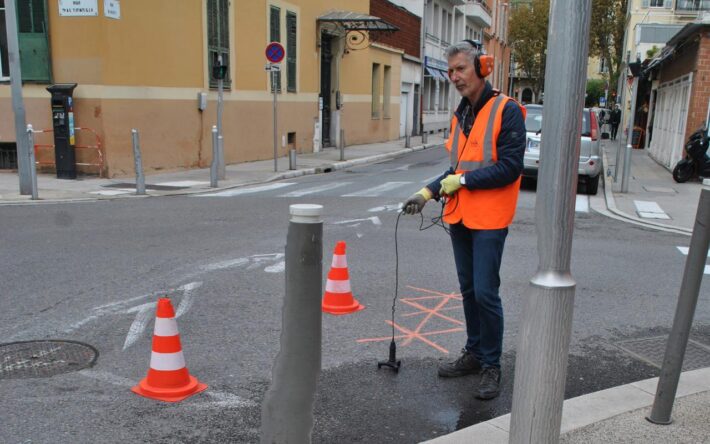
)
(625, 217)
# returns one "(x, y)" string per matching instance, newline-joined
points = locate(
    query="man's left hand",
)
(451, 184)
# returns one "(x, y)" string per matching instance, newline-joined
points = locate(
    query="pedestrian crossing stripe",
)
(240, 191)
(313, 190)
(684, 251)
(376, 191)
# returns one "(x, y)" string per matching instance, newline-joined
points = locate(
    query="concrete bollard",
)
(292, 159)
(425, 138)
(287, 411)
(138, 162)
(407, 141)
(215, 158)
(33, 165)
(342, 144)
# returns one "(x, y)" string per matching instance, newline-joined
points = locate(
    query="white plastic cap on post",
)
(306, 213)
(706, 183)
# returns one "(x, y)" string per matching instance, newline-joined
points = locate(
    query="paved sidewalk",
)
(51, 189)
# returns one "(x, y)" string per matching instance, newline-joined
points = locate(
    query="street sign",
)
(275, 52)
(602, 101)
(270, 67)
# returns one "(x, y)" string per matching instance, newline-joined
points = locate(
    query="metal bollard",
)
(342, 144)
(407, 141)
(446, 133)
(627, 169)
(287, 410)
(215, 157)
(221, 167)
(292, 159)
(138, 161)
(425, 138)
(684, 313)
(33, 165)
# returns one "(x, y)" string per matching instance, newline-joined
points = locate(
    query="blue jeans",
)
(478, 256)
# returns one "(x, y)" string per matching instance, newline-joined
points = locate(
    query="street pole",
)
(215, 154)
(33, 167)
(684, 313)
(422, 57)
(629, 140)
(273, 83)
(18, 105)
(546, 326)
(287, 410)
(221, 168)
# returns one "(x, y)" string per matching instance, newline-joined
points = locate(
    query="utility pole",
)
(18, 105)
(422, 57)
(546, 327)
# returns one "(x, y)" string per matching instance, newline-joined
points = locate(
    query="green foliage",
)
(528, 39)
(595, 89)
(606, 35)
(651, 53)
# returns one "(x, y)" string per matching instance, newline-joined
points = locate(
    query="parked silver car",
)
(590, 166)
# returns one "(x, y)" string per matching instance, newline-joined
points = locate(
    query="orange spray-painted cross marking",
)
(418, 332)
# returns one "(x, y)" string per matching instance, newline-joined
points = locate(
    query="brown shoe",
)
(466, 364)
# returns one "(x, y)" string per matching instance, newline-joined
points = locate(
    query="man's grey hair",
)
(462, 48)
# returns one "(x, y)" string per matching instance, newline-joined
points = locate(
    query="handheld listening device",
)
(483, 62)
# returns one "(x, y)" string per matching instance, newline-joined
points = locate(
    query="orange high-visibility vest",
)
(480, 209)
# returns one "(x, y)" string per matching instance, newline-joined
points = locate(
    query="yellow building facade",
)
(146, 69)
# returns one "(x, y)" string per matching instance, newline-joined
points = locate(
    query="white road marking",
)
(431, 179)
(374, 219)
(240, 191)
(649, 210)
(276, 268)
(376, 191)
(221, 399)
(684, 251)
(225, 264)
(144, 313)
(386, 208)
(313, 190)
(581, 205)
(182, 183)
(251, 262)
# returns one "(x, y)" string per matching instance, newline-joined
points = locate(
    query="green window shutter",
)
(218, 38)
(275, 36)
(291, 51)
(32, 37)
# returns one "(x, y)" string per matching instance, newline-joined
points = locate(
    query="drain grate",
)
(652, 351)
(42, 359)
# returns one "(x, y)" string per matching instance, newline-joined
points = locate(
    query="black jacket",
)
(510, 145)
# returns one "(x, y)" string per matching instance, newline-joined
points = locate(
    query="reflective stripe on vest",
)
(487, 142)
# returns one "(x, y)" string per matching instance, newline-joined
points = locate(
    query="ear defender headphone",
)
(483, 62)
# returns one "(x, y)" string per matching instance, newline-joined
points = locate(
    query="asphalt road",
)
(91, 272)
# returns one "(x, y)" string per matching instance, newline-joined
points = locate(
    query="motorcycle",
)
(696, 161)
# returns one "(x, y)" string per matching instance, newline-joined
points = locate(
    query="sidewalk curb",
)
(611, 206)
(325, 168)
(587, 409)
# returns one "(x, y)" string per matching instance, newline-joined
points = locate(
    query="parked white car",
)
(590, 166)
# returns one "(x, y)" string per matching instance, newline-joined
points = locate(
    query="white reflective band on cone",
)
(339, 261)
(337, 286)
(165, 327)
(167, 361)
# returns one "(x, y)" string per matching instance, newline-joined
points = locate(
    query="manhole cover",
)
(652, 351)
(42, 359)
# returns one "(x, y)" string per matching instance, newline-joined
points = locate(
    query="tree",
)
(595, 89)
(606, 35)
(528, 39)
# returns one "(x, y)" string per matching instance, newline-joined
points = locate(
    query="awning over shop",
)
(353, 21)
(435, 73)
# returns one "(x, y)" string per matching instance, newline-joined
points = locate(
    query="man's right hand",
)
(415, 203)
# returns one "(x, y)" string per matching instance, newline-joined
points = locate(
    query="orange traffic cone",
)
(168, 378)
(338, 298)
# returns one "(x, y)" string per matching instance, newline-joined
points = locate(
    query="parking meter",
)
(63, 123)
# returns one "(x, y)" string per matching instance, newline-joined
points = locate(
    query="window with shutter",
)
(218, 38)
(275, 36)
(291, 51)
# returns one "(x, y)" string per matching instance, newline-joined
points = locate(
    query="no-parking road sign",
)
(275, 52)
